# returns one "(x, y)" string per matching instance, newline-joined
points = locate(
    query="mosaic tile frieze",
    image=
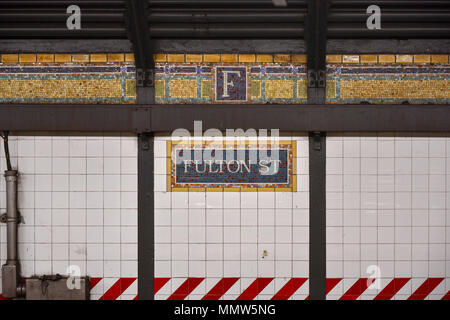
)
(249, 167)
(230, 83)
(388, 79)
(67, 83)
(224, 78)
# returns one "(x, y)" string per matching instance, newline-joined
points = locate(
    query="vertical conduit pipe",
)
(11, 269)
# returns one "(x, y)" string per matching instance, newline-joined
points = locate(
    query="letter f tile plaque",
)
(231, 84)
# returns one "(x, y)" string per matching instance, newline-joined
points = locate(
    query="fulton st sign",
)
(230, 168)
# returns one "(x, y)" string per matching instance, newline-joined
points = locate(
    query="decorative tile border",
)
(212, 78)
(225, 57)
(67, 83)
(413, 79)
(388, 59)
(192, 181)
(170, 58)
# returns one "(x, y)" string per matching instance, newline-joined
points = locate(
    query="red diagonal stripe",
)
(357, 289)
(185, 289)
(425, 289)
(391, 289)
(159, 283)
(220, 288)
(330, 283)
(3, 298)
(446, 297)
(94, 282)
(117, 289)
(135, 298)
(254, 289)
(289, 289)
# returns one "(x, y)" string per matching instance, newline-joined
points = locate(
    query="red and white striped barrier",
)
(126, 288)
(355, 291)
(358, 289)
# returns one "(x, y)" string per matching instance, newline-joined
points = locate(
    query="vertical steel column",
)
(146, 268)
(139, 34)
(317, 216)
(316, 46)
(316, 43)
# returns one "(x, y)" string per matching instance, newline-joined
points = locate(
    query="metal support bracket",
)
(145, 78)
(317, 137)
(141, 117)
(4, 218)
(317, 79)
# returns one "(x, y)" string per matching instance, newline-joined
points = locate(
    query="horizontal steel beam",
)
(166, 118)
(343, 46)
(161, 46)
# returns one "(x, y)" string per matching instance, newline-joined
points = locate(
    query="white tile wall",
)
(78, 197)
(388, 204)
(225, 234)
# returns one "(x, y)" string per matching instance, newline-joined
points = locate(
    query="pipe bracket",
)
(4, 219)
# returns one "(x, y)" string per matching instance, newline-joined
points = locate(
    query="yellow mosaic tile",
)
(99, 57)
(129, 57)
(229, 57)
(386, 58)
(45, 58)
(439, 58)
(331, 89)
(406, 89)
(334, 58)
(256, 88)
(194, 58)
(247, 58)
(80, 58)
(131, 88)
(404, 58)
(422, 58)
(10, 58)
(302, 89)
(63, 88)
(175, 58)
(160, 57)
(279, 89)
(116, 57)
(27, 58)
(264, 58)
(300, 58)
(282, 58)
(206, 89)
(160, 88)
(211, 57)
(232, 189)
(60, 58)
(350, 58)
(369, 58)
(183, 88)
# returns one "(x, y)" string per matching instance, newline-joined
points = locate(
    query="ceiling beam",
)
(166, 118)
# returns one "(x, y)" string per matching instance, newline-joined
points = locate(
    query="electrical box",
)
(57, 288)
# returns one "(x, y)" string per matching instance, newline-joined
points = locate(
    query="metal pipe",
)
(12, 216)
(429, 30)
(11, 269)
(392, 17)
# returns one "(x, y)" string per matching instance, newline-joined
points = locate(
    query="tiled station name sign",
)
(252, 167)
